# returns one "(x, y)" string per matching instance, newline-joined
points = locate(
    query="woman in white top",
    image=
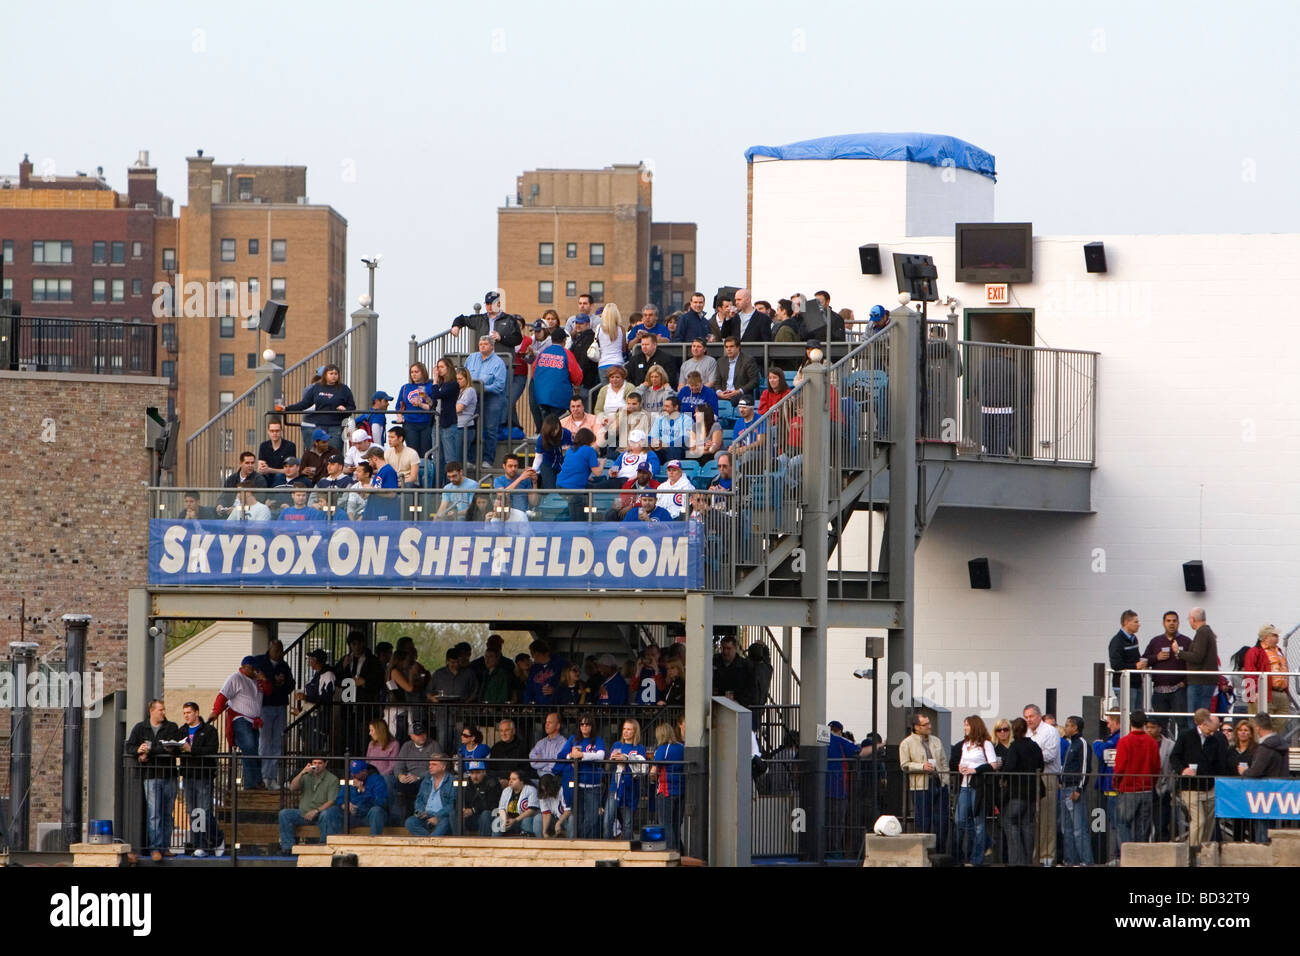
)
(611, 339)
(612, 398)
(976, 751)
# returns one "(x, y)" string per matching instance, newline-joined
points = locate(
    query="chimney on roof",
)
(24, 172)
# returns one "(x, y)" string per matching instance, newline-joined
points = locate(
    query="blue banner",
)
(1256, 799)
(461, 555)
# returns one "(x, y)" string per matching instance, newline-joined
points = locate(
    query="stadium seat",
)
(709, 470)
(553, 508)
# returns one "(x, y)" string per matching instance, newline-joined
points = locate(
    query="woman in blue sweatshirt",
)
(584, 747)
(667, 777)
(330, 401)
(625, 786)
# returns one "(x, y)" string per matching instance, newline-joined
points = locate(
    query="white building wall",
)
(1198, 452)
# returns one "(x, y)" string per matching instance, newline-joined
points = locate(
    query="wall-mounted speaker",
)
(869, 257)
(1094, 256)
(979, 574)
(273, 316)
(1194, 576)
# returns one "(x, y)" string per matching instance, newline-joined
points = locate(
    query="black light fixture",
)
(1094, 256)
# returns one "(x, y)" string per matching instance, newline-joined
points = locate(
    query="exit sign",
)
(995, 293)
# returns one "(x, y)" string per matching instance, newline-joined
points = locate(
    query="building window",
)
(253, 247)
(226, 296)
(676, 301)
(51, 290)
(227, 250)
(98, 290)
(570, 289)
(137, 250)
(7, 290)
(570, 250)
(679, 265)
(279, 250)
(245, 188)
(546, 253)
(99, 253)
(226, 364)
(277, 290)
(546, 292)
(137, 287)
(8, 252)
(119, 253)
(169, 260)
(252, 360)
(597, 291)
(169, 371)
(254, 292)
(225, 399)
(227, 327)
(597, 257)
(169, 336)
(119, 290)
(51, 252)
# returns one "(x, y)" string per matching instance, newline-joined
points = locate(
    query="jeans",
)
(198, 800)
(669, 815)
(970, 826)
(1176, 702)
(625, 816)
(588, 810)
(292, 817)
(494, 405)
(246, 741)
(1198, 696)
(449, 438)
(420, 437)
(421, 828)
(270, 743)
(1133, 817)
(160, 800)
(1018, 822)
(529, 827)
(331, 821)
(1074, 828)
(932, 813)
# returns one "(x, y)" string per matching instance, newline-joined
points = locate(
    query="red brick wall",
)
(74, 535)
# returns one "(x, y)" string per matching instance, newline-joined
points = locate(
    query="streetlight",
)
(372, 263)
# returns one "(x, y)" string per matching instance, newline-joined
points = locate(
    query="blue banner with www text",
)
(1256, 799)
(461, 555)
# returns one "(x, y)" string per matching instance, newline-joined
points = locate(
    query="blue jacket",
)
(1099, 748)
(490, 371)
(1075, 764)
(326, 399)
(669, 778)
(446, 789)
(279, 696)
(539, 675)
(375, 794)
(691, 326)
(613, 692)
(840, 755)
(628, 786)
(404, 403)
(590, 773)
(553, 376)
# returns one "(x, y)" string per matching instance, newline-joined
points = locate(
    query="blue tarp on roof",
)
(911, 147)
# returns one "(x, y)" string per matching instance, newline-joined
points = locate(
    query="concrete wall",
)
(1198, 437)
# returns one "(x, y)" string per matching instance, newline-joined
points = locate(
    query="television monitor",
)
(917, 276)
(995, 252)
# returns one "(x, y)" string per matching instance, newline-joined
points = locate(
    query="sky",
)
(414, 119)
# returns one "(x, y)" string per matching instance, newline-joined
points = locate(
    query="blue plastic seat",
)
(553, 508)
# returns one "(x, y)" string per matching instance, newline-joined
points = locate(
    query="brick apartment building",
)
(574, 231)
(73, 247)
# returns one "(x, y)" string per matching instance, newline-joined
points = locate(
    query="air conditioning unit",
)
(49, 838)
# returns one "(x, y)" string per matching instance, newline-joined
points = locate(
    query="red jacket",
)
(1137, 763)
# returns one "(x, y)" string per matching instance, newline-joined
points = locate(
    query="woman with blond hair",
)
(655, 390)
(624, 796)
(611, 340)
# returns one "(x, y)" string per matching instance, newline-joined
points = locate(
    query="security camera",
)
(864, 673)
(155, 630)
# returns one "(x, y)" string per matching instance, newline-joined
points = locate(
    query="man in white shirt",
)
(678, 488)
(1049, 742)
(247, 507)
(242, 694)
(357, 449)
(404, 459)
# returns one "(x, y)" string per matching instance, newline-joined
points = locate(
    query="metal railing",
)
(1286, 721)
(78, 346)
(297, 378)
(1010, 401)
(212, 452)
